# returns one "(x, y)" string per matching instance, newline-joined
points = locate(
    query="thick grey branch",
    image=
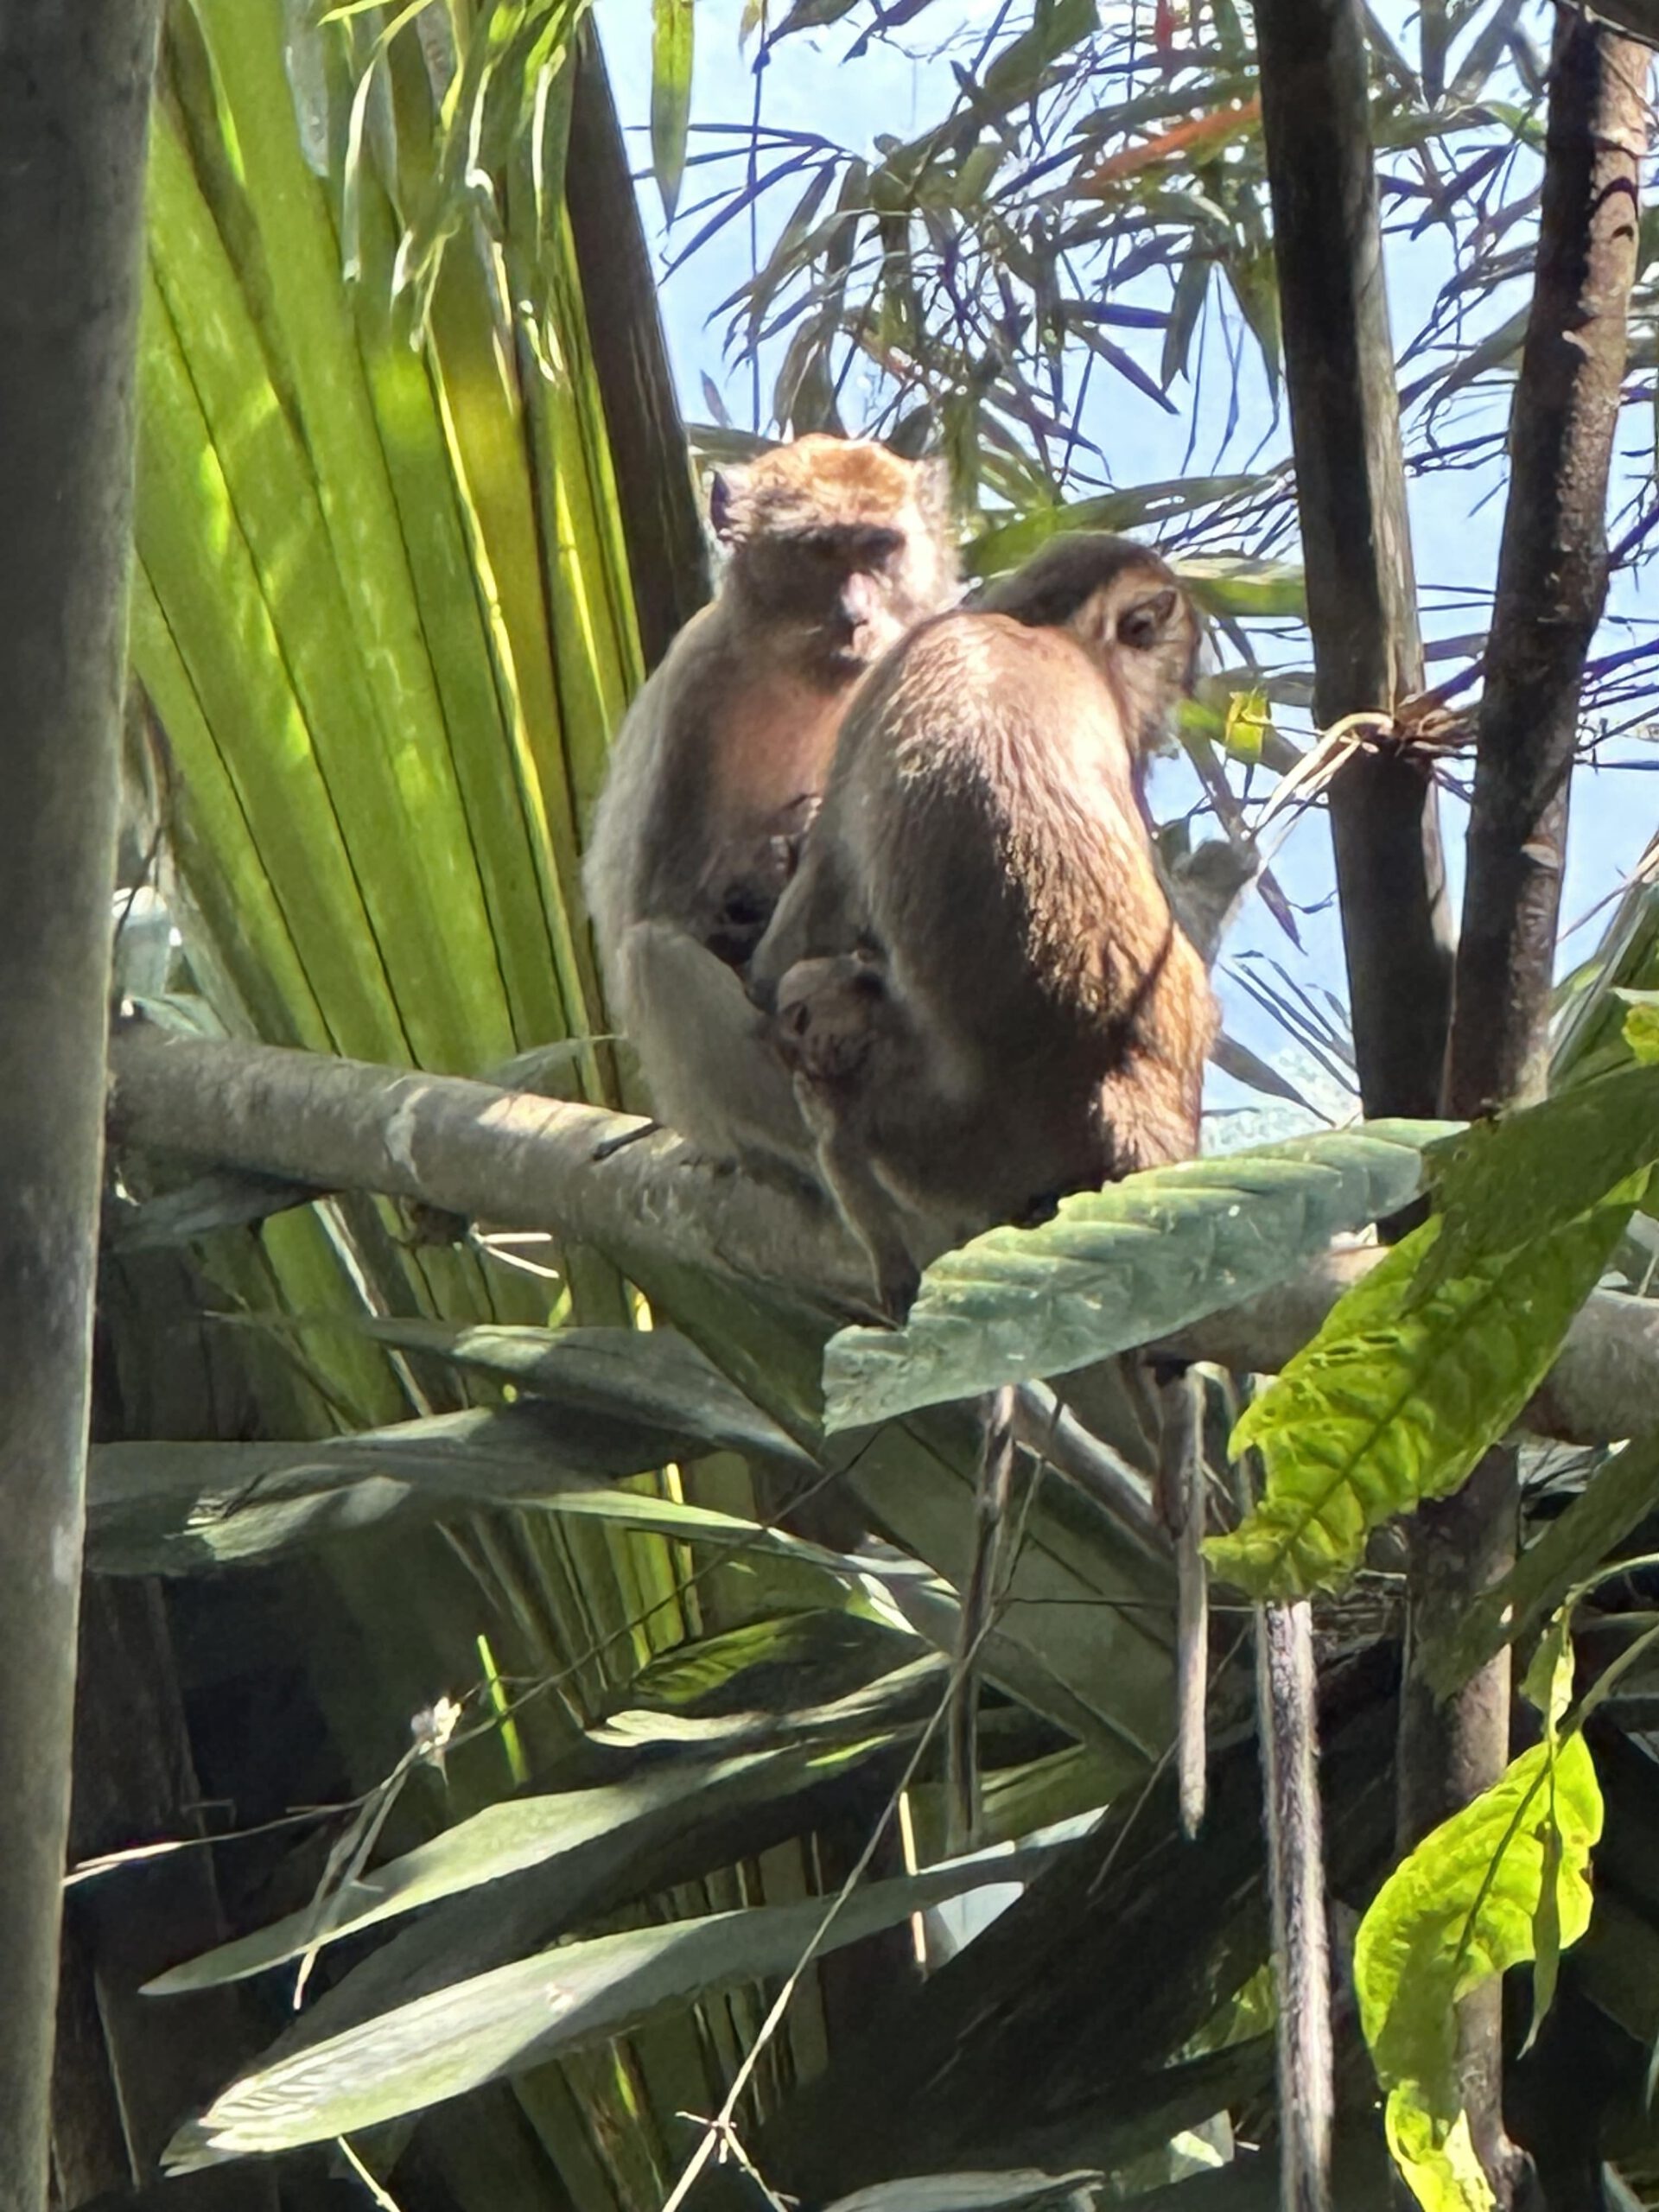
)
(497, 1155)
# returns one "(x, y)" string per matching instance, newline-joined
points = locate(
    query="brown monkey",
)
(837, 548)
(999, 1005)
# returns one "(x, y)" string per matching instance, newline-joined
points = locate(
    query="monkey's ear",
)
(1147, 621)
(725, 504)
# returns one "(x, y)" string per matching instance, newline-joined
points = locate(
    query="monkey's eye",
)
(1142, 626)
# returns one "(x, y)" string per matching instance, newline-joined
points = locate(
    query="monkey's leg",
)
(711, 1072)
(863, 1200)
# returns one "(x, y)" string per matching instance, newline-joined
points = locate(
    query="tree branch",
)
(469, 1149)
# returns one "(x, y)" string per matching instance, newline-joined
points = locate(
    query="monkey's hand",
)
(747, 876)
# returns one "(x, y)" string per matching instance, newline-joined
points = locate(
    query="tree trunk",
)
(74, 94)
(1552, 581)
(1351, 487)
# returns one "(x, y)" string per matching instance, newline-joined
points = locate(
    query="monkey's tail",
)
(1301, 1956)
(978, 1609)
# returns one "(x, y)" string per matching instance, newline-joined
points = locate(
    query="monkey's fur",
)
(837, 548)
(978, 985)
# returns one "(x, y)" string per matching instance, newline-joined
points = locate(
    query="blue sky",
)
(1456, 518)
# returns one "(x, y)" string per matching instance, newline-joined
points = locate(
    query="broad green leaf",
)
(1616, 1499)
(672, 31)
(1502, 1183)
(455, 2038)
(1465, 1905)
(1122, 1267)
(619, 1820)
(1398, 1395)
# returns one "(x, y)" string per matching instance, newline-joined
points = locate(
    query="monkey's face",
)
(1128, 610)
(825, 1016)
(840, 545)
(1141, 632)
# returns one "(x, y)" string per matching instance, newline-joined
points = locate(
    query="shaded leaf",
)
(624, 1819)
(578, 1993)
(1501, 1184)
(1616, 1498)
(651, 1377)
(182, 1508)
(1122, 1267)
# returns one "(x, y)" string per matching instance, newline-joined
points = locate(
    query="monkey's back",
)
(995, 823)
(985, 799)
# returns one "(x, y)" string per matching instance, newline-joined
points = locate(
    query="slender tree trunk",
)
(1350, 485)
(74, 95)
(1362, 607)
(1552, 581)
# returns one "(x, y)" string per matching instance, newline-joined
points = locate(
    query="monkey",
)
(977, 985)
(836, 548)
(977, 982)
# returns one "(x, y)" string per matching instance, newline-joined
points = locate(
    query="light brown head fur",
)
(1128, 610)
(839, 544)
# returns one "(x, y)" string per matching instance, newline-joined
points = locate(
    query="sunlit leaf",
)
(1463, 1906)
(1397, 1396)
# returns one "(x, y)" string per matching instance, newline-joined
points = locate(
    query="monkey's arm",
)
(704, 1051)
(817, 915)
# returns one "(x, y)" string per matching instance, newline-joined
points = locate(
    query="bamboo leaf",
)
(518, 2016)
(1122, 1267)
(1398, 1395)
(612, 1821)
(671, 43)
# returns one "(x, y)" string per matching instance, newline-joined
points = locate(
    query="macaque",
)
(978, 987)
(837, 548)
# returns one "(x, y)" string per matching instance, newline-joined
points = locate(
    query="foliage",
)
(1122, 1267)
(1502, 1882)
(382, 634)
